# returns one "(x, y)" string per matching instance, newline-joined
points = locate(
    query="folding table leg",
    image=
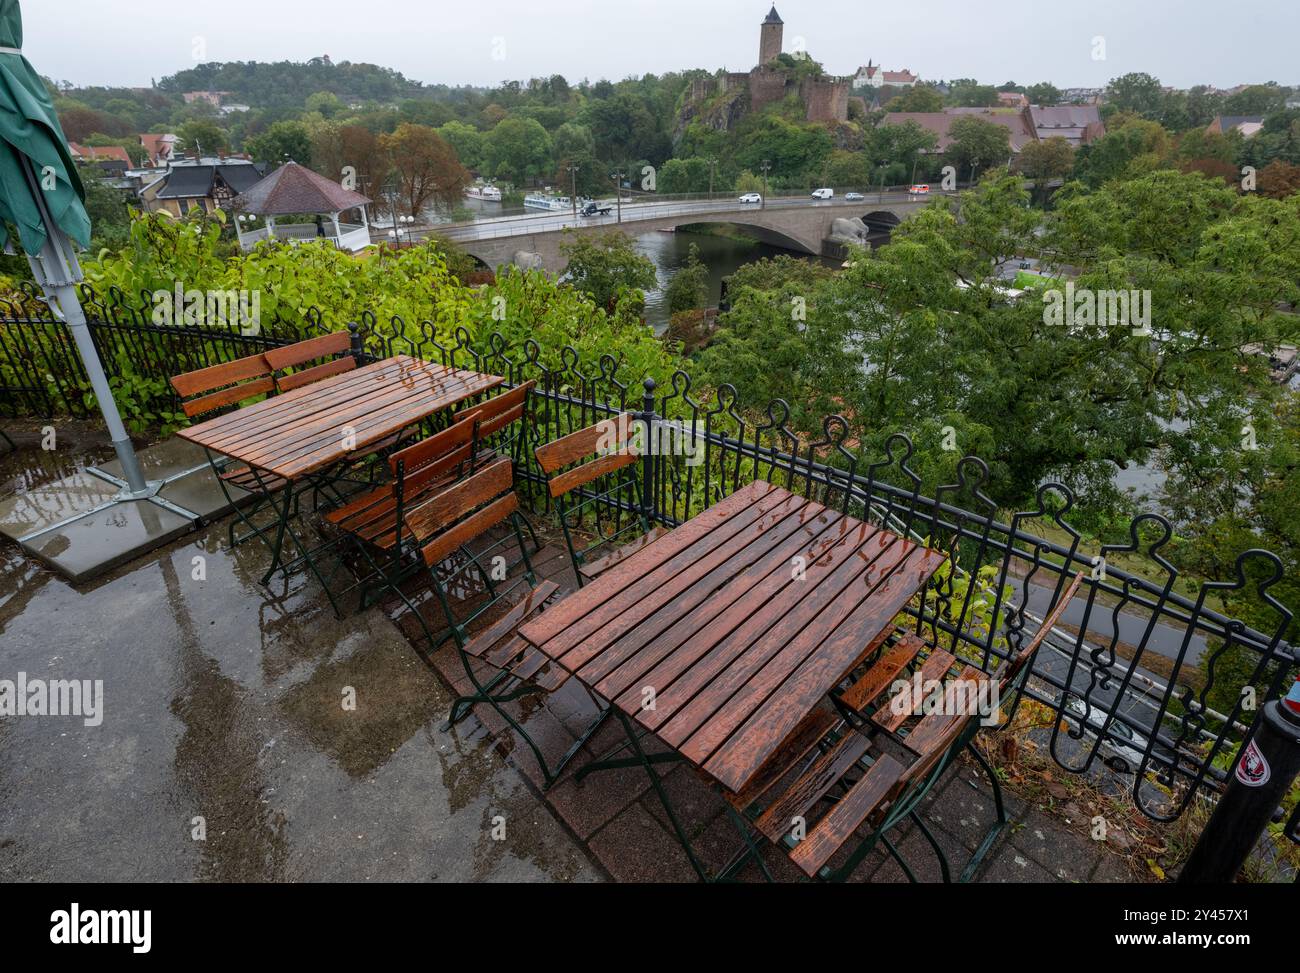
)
(647, 761)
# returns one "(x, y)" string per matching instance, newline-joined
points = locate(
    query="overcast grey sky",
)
(128, 42)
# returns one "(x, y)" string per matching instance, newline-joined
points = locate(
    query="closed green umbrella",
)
(41, 194)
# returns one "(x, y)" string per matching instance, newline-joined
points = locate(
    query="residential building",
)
(213, 98)
(1012, 99)
(159, 149)
(873, 76)
(207, 184)
(1077, 124)
(1247, 125)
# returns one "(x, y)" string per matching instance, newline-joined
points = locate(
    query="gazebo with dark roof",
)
(294, 190)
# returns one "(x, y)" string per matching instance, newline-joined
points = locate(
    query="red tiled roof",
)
(99, 153)
(296, 189)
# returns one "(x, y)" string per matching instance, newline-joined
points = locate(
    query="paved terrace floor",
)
(224, 701)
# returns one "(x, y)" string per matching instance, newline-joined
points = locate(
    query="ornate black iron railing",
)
(42, 375)
(1099, 677)
(1126, 676)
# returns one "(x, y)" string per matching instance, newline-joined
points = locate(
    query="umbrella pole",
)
(58, 272)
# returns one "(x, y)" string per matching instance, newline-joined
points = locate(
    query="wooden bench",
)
(219, 388)
(332, 351)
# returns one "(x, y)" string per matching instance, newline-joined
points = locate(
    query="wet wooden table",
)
(312, 428)
(721, 636)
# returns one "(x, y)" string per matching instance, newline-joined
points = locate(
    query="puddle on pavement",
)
(225, 751)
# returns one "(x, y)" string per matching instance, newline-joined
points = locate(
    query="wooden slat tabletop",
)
(715, 622)
(302, 431)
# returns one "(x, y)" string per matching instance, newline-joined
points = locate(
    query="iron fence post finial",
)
(358, 347)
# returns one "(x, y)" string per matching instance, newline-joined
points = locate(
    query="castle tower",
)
(770, 37)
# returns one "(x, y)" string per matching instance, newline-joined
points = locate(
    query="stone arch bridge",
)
(800, 225)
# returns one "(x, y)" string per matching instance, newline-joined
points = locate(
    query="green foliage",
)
(688, 290)
(918, 98)
(282, 142)
(517, 149)
(606, 267)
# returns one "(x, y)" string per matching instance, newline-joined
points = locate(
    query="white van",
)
(823, 194)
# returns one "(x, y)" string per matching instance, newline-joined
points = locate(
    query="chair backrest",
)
(1013, 667)
(430, 458)
(462, 512)
(604, 447)
(302, 352)
(496, 413)
(220, 386)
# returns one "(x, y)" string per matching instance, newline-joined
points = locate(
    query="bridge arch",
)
(764, 234)
(882, 220)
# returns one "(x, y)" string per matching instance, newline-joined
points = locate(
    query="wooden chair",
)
(574, 464)
(444, 527)
(866, 765)
(377, 519)
(220, 388)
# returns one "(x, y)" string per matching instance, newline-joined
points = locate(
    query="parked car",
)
(1123, 753)
(823, 194)
(752, 198)
(919, 190)
(854, 197)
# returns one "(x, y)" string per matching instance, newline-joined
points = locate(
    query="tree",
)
(325, 102)
(689, 288)
(973, 96)
(1278, 180)
(1256, 99)
(919, 98)
(684, 176)
(1036, 399)
(1136, 92)
(282, 142)
(202, 136)
(340, 150)
(606, 267)
(1130, 146)
(977, 143)
(1045, 161)
(426, 167)
(1043, 94)
(110, 220)
(518, 149)
(466, 140)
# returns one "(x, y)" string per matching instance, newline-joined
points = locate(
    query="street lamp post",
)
(713, 165)
(573, 175)
(766, 167)
(618, 185)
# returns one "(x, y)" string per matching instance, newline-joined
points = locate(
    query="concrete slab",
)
(200, 493)
(97, 542)
(169, 458)
(44, 506)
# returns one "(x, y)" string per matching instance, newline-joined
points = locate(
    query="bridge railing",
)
(547, 222)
